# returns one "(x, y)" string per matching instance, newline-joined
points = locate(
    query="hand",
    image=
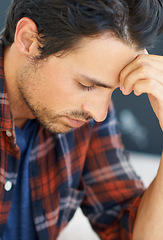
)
(145, 75)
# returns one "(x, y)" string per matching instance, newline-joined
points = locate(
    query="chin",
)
(56, 128)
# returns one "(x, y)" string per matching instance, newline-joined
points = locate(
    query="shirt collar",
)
(6, 120)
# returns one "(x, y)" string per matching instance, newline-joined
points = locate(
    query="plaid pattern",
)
(85, 167)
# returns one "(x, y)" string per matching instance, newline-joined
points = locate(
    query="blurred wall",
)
(139, 126)
(3, 9)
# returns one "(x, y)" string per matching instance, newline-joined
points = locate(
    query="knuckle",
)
(145, 70)
(141, 60)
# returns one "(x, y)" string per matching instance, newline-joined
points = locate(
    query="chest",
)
(55, 167)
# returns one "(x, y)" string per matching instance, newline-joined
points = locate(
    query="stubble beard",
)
(47, 118)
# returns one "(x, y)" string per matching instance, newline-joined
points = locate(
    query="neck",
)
(19, 109)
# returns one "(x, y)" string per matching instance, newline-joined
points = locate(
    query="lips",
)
(74, 123)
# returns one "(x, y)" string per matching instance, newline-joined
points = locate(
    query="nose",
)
(98, 108)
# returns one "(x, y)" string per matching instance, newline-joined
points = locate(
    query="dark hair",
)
(62, 23)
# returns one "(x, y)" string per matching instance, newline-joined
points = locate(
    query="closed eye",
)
(87, 88)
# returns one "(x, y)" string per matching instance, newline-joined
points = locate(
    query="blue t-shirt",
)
(20, 225)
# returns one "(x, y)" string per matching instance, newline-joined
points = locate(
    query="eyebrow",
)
(95, 81)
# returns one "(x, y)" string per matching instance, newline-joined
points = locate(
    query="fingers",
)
(144, 67)
(149, 86)
(145, 75)
(142, 73)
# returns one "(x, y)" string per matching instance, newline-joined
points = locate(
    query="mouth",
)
(74, 123)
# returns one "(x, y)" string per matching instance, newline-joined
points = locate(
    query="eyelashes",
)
(87, 88)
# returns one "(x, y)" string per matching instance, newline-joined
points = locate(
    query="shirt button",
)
(8, 133)
(8, 186)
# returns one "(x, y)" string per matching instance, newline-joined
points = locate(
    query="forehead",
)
(102, 57)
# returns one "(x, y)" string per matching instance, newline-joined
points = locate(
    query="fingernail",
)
(122, 88)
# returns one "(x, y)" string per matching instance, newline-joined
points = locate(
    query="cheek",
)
(57, 93)
(59, 87)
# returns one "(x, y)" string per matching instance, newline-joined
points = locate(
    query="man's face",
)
(65, 92)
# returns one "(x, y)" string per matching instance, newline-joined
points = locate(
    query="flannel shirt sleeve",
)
(113, 190)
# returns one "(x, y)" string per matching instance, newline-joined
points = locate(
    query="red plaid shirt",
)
(85, 167)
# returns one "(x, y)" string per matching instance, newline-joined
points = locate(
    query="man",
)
(60, 144)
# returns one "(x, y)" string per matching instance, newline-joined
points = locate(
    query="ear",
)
(26, 36)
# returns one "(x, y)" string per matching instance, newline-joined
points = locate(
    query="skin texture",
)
(55, 92)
